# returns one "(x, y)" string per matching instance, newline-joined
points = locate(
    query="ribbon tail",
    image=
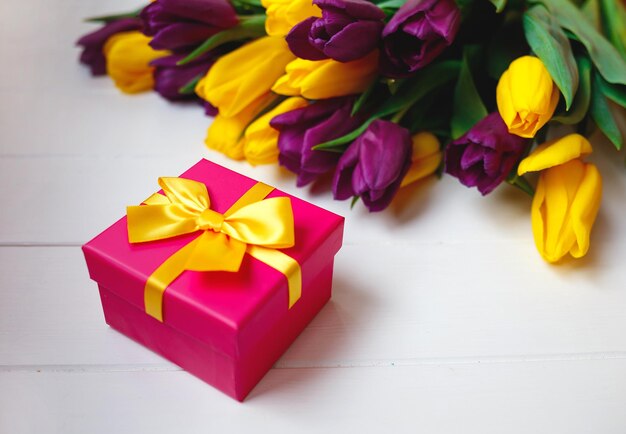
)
(283, 263)
(163, 276)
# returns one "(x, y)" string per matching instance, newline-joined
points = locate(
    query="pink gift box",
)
(226, 328)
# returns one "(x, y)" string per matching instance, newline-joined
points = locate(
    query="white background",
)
(444, 317)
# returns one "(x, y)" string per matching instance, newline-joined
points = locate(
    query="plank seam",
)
(575, 357)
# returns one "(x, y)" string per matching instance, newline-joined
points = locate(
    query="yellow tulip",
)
(526, 96)
(555, 152)
(242, 76)
(327, 78)
(226, 133)
(128, 58)
(567, 199)
(564, 209)
(261, 140)
(282, 15)
(426, 158)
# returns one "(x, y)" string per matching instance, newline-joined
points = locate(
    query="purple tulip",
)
(176, 24)
(374, 165)
(485, 155)
(347, 31)
(417, 34)
(93, 42)
(304, 128)
(209, 109)
(169, 78)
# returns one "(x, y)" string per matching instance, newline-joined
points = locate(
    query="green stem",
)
(521, 183)
(250, 27)
(115, 17)
(398, 116)
(190, 88)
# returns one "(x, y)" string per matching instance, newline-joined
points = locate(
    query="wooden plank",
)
(391, 304)
(555, 397)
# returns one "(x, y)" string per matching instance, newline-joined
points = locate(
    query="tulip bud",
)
(128, 57)
(325, 79)
(374, 165)
(526, 96)
(302, 129)
(261, 140)
(282, 15)
(485, 155)
(347, 31)
(426, 157)
(176, 24)
(93, 43)
(242, 76)
(567, 199)
(417, 34)
(226, 133)
(170, 77)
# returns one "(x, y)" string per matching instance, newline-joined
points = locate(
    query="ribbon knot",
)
(254, 224)
(210, 220)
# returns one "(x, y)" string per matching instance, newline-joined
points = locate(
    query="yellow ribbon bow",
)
(251, 225)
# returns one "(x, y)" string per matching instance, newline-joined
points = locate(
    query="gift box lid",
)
(228, 311)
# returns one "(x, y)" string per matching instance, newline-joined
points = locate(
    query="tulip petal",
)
(327, 78)
(298, 41)
(585, 208)
(226, 133)
(261, 140)
(242, 76)
(505, 100)
(554, 153)
(282, 15)
(564, 209)
(128, 56)
(426, 158)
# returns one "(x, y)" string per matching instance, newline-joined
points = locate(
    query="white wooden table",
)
(444, 318)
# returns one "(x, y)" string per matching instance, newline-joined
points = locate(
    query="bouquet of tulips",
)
(380, 94)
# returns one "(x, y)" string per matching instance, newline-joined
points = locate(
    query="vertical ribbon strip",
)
(253, 224)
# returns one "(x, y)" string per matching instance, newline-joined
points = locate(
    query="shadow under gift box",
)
(226, 328)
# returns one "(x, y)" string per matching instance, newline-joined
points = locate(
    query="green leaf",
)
(549, 42)
(339, 142)
(252, 27)
(602, 115)
(409, 94)
(614, 27)
(390, 7)
(254, 3)
(591, 11)
(580, 106)
(468, 107)
(247, 7)
(606, 58)
(499, 4)
(614, 92)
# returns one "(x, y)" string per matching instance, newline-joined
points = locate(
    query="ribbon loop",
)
(223, 239)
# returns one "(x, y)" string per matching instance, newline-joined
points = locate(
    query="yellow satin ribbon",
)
(253, 225)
